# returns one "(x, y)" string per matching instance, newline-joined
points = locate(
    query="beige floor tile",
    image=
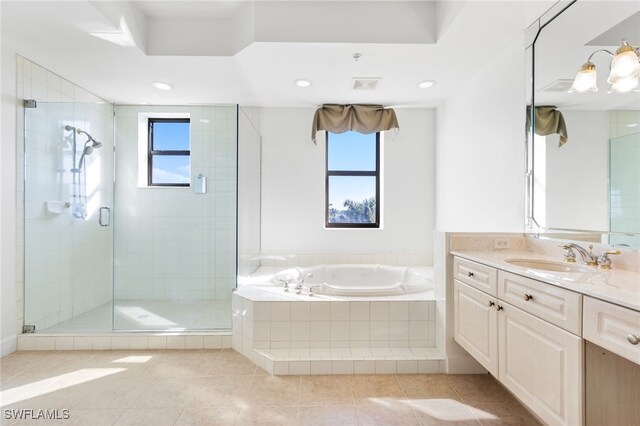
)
(504, 414)
(219, 386)
(385, 414)
(208, 416)
(444, 411)
(427, 387)
(176, 364)
(325, 390)
(168, 392)
(480, 389)
(268, 416)
(368, 389)
(94, 417)
(274, 391)
(334, 415)
(231, 363)
(64, 398)
(149, 416)
(220, 391)
(112, 392)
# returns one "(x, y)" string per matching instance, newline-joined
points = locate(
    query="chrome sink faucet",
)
(588, 257)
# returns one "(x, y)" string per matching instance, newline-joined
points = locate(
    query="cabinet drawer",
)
(611, 327)
(476, 275)
(553, 304)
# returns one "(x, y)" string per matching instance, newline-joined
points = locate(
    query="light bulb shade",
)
(585, 80)
(625, 65)
(624, 86)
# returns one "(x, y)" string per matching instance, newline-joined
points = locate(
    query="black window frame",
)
(151, 152)
(329, 173)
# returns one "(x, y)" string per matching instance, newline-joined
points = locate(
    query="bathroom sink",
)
(549, 265)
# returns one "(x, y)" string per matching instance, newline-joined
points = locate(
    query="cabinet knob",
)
(500, 308)
(528, 297)
(470, 274)
(633, 339)
(491, 303)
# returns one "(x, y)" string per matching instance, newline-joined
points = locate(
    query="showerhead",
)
(94, 143)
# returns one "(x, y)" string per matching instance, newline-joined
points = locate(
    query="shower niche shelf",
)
(56, 207)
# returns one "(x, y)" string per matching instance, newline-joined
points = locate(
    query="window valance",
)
(360, 118)
(548, 120)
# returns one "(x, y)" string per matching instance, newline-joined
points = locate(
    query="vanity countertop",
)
(614, 285)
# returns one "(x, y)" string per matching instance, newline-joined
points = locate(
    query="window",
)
(169, 159)
(353, 180)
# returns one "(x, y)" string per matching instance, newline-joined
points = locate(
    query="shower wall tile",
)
(170, 243)
(67, 269)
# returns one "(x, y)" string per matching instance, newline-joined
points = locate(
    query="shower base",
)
(149, 315)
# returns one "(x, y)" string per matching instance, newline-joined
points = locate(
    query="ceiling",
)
(250, 52)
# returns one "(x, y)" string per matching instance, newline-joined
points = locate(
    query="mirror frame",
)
(532, 228)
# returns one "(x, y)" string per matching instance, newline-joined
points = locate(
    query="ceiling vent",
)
(366, 83)
(562, 85)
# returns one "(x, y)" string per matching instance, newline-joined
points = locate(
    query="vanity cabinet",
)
(476, 324)
(522, 332)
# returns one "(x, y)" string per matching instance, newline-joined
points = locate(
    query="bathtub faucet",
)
(300, 284)
(285, 283)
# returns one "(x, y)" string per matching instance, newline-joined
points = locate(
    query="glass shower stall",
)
(103, 250)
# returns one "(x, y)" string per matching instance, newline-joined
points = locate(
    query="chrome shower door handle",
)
(104, 216)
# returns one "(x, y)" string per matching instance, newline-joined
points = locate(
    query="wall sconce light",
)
(623, 75)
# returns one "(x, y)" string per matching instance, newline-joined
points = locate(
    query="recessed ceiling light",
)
(426, 84)
(161, 85)
(302, 82)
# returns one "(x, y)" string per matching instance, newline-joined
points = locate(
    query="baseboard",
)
(8, 345)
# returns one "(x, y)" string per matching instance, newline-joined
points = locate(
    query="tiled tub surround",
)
(286, 333)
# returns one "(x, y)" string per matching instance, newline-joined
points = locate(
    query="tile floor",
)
(223, 387)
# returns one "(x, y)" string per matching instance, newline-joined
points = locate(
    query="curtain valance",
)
(548, 120)
(360, 118)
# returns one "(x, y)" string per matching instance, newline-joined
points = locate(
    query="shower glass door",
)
(68, 197)
(175, 226)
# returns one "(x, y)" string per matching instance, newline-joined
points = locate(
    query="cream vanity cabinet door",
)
(475, 324)
(542, 365)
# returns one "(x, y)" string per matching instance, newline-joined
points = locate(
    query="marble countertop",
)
(617, 286)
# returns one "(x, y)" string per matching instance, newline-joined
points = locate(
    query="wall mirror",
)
(589, 187)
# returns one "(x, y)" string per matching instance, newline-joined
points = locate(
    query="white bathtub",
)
(359, 280)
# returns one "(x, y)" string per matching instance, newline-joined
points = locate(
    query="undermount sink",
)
(549, 265)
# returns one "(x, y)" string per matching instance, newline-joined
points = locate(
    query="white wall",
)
(8, 213)
(293, 188)
(577, 174)
(481, 147)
